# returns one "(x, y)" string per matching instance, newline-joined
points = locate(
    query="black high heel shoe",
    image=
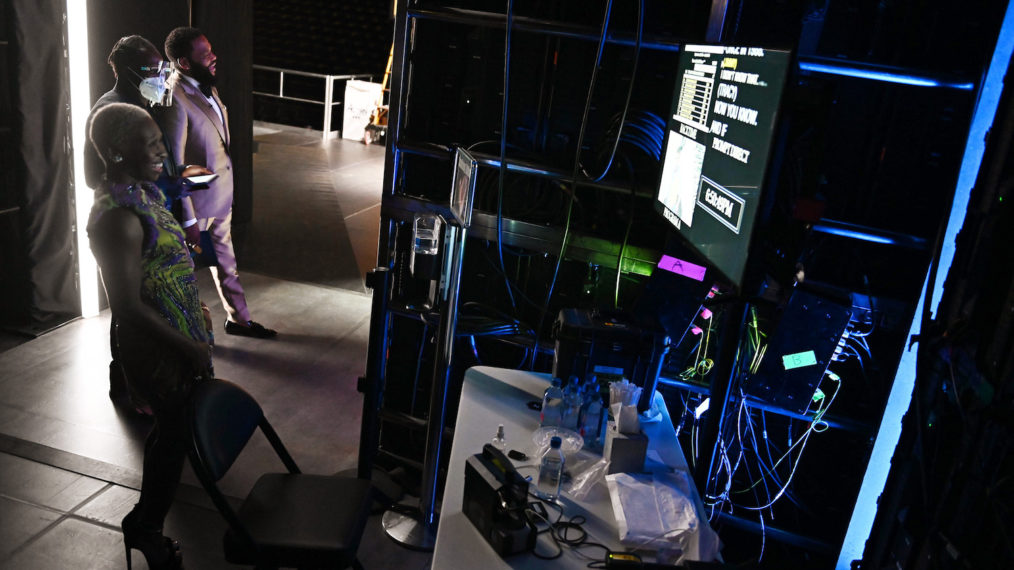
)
(161, 552)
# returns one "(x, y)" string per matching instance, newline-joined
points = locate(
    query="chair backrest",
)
(223, 417)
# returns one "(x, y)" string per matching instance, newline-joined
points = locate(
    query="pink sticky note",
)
(681, 267)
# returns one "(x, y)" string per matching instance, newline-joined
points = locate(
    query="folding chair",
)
(289, 519)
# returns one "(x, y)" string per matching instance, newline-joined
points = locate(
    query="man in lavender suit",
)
(198, 126)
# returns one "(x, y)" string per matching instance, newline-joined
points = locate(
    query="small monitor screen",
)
(463, 187)
(720, 133)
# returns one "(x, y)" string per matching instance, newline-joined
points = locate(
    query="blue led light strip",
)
(872, 235)
(870, 72)
(854, 234)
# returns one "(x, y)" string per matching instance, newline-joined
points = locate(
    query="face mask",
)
(153, 89)
(157, 90)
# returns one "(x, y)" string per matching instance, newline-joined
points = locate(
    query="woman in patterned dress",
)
(149, 279)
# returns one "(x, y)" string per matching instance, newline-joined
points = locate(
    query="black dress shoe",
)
(117, 382)
(251, 329)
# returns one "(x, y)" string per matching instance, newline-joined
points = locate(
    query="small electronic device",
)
(202, 179)
(463, 187)
(495, 500)
(515, 454)
(625, 560)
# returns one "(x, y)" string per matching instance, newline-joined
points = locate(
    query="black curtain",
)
(41, 125)
(228, 24)
(110, 20)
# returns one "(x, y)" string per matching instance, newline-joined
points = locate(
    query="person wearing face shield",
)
(141, 80)
(197, 125)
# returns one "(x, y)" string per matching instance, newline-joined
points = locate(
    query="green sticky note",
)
(799, 359)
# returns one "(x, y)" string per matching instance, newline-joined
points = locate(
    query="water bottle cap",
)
(555, 442)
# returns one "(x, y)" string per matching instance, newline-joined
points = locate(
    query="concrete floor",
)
(70, 460)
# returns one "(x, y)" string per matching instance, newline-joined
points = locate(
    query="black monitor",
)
(715, 161)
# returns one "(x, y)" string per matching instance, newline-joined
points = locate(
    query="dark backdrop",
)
(324, 36)
(109, 20)
(39, 191)
(229, 27)
(40, 97)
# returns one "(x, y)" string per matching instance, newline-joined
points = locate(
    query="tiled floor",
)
(56, 518)
(70, 460)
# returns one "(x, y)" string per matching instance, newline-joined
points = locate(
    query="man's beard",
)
(202, 74)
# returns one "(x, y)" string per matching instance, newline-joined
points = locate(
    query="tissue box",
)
(624, 451)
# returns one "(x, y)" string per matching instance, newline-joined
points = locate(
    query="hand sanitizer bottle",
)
(550, 471)
(498, 441)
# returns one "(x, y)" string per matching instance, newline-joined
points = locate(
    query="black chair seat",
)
(289, 519)
(300, 519)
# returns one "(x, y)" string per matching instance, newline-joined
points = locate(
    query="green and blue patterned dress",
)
(168, 286)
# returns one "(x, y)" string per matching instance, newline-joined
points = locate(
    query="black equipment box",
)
(799, 351)
(495, 500)
(608, 345)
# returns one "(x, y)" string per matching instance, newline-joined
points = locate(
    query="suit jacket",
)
(198, 137)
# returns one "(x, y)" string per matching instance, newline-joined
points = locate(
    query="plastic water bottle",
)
(498, 441)
(550, 471)
(571, 404)
(592, 415)
(426, 234)
(552, 405)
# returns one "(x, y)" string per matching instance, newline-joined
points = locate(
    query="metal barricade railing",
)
(329, 80)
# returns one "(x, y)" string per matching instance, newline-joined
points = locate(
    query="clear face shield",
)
(156, 83)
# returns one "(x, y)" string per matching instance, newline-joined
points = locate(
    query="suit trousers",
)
(226, 274)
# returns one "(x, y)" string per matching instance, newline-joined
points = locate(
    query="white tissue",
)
(657, 513)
